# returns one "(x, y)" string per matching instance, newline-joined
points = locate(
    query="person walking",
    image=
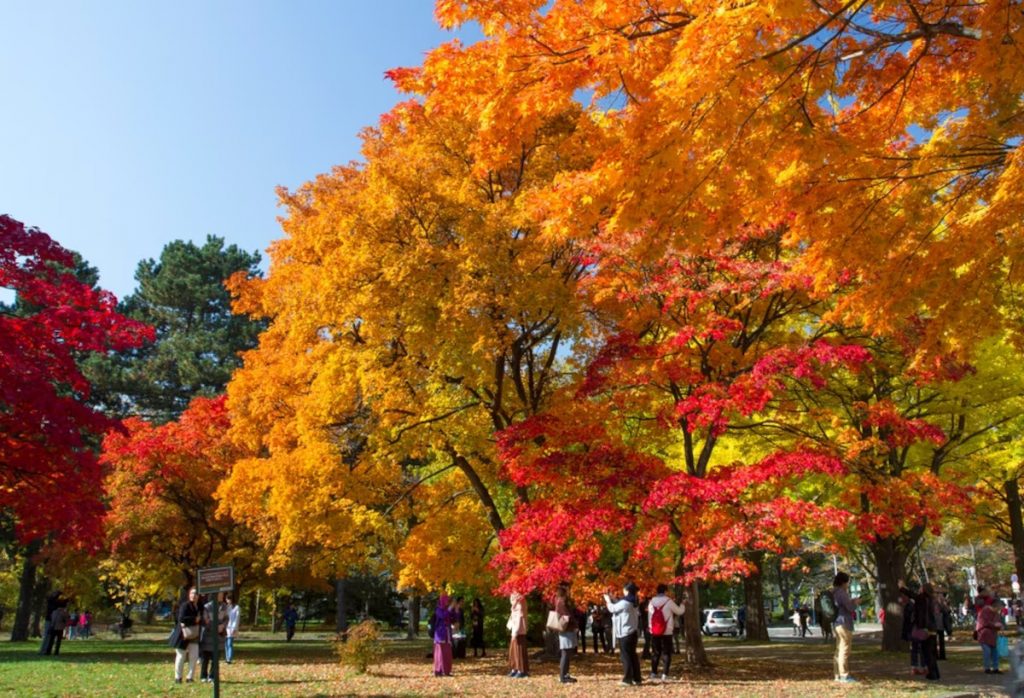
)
(662, 612)
(987, 629)
(476, 620)
(518, 660)
(805, 614)
(232, 629)
(442, 625)
(567, 632)
(846, 611)
(290, 617)
(625, 627)
(84, 620)
(794, 618)
(186, 644)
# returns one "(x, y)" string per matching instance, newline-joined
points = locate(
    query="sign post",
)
(215, 580)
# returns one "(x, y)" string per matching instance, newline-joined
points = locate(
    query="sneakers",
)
(846, 679)
(514, 674)
(567, 679)
(625, 683)
(522, 676)
(664, 677)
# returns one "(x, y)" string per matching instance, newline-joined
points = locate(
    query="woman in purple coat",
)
(442, 638)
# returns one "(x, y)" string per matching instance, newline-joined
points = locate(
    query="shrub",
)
(364, 647)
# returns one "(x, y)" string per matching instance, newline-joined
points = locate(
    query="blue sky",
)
(129, 124)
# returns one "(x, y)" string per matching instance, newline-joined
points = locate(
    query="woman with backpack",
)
(661, 613)
(626, 625)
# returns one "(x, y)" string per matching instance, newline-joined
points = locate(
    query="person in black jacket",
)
(927, 621)
(184, 647)
(52, 602)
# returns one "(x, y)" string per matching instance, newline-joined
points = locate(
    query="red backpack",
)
(659, 622)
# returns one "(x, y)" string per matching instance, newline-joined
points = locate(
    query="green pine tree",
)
(198, 339)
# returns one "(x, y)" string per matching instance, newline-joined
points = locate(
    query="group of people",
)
(565, 620)
(201, 623)
(926, 625)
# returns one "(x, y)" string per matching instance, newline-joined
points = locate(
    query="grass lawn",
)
(267, 666)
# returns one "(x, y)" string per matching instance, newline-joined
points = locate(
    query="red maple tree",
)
(50, 479)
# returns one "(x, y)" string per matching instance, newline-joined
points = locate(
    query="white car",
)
(719, 622)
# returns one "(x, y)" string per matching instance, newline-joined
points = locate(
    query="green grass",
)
(144, 666)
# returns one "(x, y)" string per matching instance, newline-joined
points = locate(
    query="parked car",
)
(719, 621)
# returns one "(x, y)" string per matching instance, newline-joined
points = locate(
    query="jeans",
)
(563, 663)
(990, 656)
(229, 647)
(916, 655)
(47, 645)
(662, 648)
(630, 662)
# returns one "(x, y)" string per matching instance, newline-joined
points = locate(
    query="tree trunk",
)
(274, 619)
(891, 561)
(695, 653)
(413, 630)
(253, 610)
(784, 589)
(151, 604)
(753, 592)
(341, 622)
(23, 612)
(1013, 505)
(188, 580)
(39, 605)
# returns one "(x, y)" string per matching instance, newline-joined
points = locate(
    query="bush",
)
(364, 647)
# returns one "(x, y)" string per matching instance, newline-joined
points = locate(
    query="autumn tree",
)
(415, 288)
(696, 346)
(46, 425)
(163, 513)
(198, 339)
(891, 131)
(906, 433)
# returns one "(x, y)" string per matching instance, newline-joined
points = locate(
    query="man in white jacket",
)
(662, 612)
